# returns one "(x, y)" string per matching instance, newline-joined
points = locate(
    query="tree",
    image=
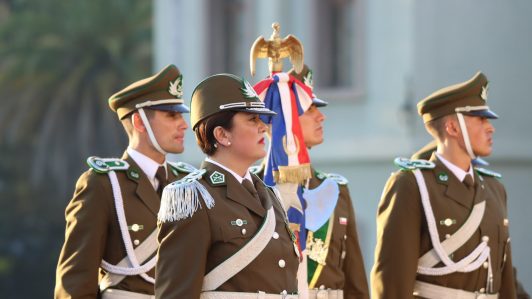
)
(60, 62)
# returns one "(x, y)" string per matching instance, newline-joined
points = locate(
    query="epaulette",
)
(182, 167)
(407, 164)
(487, 172)
(255, 169)
(104, 165)
(180, 199)
(341, 180)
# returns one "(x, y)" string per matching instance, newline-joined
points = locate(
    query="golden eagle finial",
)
(275, 50)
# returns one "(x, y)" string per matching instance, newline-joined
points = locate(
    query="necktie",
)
(468, 181)
(160, 175)
(249, 186)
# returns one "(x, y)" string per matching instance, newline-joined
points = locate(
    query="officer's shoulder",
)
(181, 167)
(406, 164)
(339, 179)
(487, 172)
(181, 199)
(105, 165)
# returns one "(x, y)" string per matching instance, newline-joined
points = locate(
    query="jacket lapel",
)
(454, 189)
(144, 189)
(234, 190)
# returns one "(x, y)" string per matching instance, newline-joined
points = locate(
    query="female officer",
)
(222, 233)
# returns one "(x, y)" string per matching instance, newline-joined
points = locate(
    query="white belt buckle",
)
(322, 294)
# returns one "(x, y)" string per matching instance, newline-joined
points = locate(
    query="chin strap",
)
(150, 131)
(467, 141)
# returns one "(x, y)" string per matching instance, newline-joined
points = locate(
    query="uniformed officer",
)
(334, 264)
(222, 232)
(442, 226)
(110, 238)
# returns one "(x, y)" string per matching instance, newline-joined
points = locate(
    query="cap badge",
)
(308, 79)
(176, 88)
(217, 178)
(484, 94)
(247, 90)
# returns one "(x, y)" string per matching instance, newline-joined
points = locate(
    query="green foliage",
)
(60, 62)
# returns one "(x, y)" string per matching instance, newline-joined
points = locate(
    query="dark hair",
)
(205, 130)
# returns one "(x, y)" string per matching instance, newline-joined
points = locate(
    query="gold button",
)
(506, 222)
(275, 235)
(282, 263)
(136, 242)
(485, 265)
(343, 254)
(482, 290)
(447, 236)
(244, 231)
(485, 239)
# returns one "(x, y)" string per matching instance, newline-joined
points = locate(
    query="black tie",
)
(249, 186)
(160, 175)
(468, 181)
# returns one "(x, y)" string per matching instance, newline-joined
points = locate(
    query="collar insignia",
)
(217, 178)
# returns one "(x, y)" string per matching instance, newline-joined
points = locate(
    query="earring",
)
(216, 145)
(228, 143)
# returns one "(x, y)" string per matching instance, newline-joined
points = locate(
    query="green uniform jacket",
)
(92, 230)
(343, 273)
(402, 233)
(192, 247)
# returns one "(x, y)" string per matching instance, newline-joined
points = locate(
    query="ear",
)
(452, 127)
(221, 135)
(138, 124)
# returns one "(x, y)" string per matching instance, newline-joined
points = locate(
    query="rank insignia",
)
(217, 178)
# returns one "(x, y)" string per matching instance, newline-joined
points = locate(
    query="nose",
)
(319, 115)
(262, 127)
(490, 128)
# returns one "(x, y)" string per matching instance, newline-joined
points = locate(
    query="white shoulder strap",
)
(135, 268)
(238, 261)
(469, 263)
(145, 250)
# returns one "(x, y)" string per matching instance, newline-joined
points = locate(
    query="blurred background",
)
(372, 60)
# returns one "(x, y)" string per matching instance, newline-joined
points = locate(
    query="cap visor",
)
(256, 110)
(319, 102)
(181, 108)
(482, 113)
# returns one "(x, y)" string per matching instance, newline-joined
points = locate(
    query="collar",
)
(237, 177)
(457, 171)
(146, 164)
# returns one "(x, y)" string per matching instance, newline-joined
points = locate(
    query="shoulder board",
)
(487, 172)
(104, 165)
(255, 169)
(182, 167)
(339, 179)
(407, 164)
(180, 199)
